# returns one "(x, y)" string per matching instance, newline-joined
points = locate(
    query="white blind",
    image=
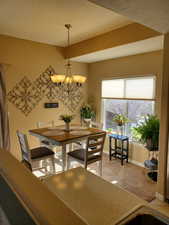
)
(136, 88)
(113, 88)
(140, 88)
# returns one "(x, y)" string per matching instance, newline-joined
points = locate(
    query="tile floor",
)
(130, 177)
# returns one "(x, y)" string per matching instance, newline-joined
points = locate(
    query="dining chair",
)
(91, 153)
(96, 125)
(29, 156)
(93, 125)
(44, 142)
(41, 124)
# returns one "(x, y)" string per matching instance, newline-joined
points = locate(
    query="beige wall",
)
(131, 66)
(30, 59)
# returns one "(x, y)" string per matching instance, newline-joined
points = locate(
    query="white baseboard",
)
(160, 197)
(136, 163)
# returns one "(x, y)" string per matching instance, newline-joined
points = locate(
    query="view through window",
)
(133, 98)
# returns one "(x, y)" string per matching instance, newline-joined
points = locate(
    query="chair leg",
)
(100, 168)
(85, 166)
(68, 162)
(70, 147)
(53, 163)
(45, 162)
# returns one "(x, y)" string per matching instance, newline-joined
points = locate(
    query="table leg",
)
(122, 153)
(127, 150)
(110, 147)
(63, 157)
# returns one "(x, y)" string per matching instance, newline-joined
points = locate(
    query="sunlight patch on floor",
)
(114, 182)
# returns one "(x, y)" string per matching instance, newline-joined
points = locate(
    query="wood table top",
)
(59, 134)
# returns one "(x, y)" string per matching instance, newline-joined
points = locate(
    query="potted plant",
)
(120, 120)
(147, 131)
(87, 113)
(67, 119)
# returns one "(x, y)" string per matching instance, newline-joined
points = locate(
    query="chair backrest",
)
(96, 125)
(45, 124)
(94, 147)
(24, 146)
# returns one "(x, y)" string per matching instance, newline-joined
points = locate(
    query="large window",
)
(132, 97)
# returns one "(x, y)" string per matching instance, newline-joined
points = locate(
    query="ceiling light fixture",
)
(68, 82)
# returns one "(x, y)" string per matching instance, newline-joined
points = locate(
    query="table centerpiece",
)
(67, 119)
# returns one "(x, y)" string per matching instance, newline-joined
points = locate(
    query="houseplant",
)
(87, 113)
(120, 120)
(147, 131)
(67, 119)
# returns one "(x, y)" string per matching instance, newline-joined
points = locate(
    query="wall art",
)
(25, 95)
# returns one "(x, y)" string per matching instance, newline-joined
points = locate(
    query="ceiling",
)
(147, 45)
(151, 13)
(43, 20)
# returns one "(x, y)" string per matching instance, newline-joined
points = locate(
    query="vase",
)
(150, 145)
(87, 121)
(120, 130)
(67, 127)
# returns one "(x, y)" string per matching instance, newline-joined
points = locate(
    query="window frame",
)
(137, 99)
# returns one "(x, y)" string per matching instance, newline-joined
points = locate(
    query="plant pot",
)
(120, 130)
(67, 127)
(87, 120)
(150, 145)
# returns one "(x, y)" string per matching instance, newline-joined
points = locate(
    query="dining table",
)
(58, 136)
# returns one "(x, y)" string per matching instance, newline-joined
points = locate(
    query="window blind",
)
(113, 88)
(129, 88)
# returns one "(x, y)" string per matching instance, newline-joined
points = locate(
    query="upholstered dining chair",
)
(36, 154)
(91, 153)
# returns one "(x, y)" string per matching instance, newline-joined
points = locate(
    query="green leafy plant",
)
(87, 112)
(147, 131)
(120, 119)
(66, 118)
(109, 130)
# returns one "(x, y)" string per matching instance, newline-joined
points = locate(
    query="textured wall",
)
(30, 59)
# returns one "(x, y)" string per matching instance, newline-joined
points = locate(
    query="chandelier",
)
(68, 82)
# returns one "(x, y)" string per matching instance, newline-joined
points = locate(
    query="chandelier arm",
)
(68, 83)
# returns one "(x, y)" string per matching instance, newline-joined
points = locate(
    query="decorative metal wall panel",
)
(46, 86)
(26, 94)
(72, 100)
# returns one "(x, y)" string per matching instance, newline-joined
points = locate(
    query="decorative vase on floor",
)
(67, 127)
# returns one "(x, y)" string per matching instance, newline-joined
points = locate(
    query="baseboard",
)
(136, 163)
(132, 161)
(160, 197)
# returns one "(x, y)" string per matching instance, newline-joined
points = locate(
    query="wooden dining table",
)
(59, 137)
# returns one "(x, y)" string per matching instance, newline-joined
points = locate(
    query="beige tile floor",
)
(130, 177)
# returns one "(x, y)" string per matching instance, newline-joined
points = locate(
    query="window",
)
(133, 97)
